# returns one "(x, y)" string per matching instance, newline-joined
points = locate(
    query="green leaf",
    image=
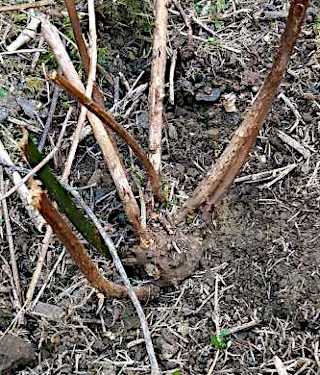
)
(176, 372)
(103, 55)
(221, 340)
(3, 92)
(213, 41)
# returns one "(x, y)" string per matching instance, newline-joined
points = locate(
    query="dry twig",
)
(19, 7)
(54, 102)
(48, 278)
(40, 262)
(76, 215)
(13, 260)
(91, 79)
(171, 76)
(73, 245)
(294, 144)
(76, 27)
(185, 18)
(67, 169)
(85, 58)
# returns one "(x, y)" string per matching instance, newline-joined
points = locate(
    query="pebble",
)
(48, 311)
(4, 113)
(212, 98)
(213, 133)
(15, 352)
(172, 132)
(307, 117)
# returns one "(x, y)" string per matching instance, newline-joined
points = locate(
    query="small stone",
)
(29, 107)
(15, 353)
(4, 113)
(183, 329)
(212, 98)
(48, 311)
(307, 117)
(213, 133)
(229, 103)
(172, 132)
(167, 350)
(142, 120)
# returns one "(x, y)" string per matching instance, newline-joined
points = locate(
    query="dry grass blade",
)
(39, 266)
(111, 123)
(224, 171)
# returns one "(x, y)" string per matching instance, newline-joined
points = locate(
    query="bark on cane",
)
(156, 93)
(224, 171)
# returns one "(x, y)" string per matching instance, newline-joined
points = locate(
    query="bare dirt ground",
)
(259, 278)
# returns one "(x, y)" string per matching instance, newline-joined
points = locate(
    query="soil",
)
(258, 280)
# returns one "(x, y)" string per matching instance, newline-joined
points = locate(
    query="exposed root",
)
(169, 259)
